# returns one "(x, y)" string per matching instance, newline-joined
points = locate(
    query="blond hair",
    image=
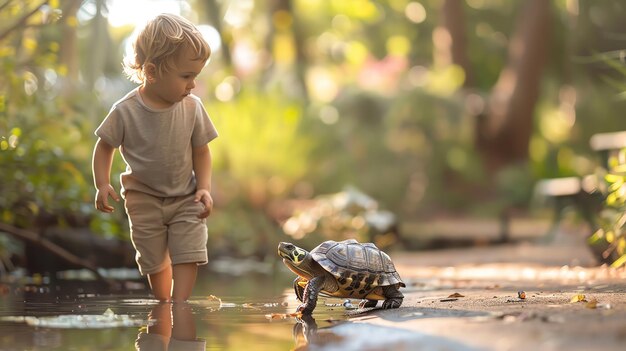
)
(159, 43)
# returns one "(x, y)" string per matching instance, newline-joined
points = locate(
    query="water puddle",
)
(87, 316)
(122, 322)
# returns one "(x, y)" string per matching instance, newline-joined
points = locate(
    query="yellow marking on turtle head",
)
(298, 255)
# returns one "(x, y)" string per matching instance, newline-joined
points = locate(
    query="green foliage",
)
(261, 153)
(260, 136)
(611, 234)
(46, 129)
(612, 219)
(433, 136)
(262, 147)
(41, 181)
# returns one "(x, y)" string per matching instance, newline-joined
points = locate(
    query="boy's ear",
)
(150, 71)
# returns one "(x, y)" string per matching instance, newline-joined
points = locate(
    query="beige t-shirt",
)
(156, 144)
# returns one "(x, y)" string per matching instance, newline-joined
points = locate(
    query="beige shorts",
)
(165, 230)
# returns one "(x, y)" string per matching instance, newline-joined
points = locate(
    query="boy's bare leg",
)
(161, 284)
(184, 326)
(162, 316)
(184, 279)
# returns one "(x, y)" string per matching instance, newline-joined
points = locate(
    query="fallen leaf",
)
(456, 294)
(578, 298)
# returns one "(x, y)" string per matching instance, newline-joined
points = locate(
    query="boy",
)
(162, 132)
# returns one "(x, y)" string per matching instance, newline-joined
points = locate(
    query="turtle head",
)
(291, 254)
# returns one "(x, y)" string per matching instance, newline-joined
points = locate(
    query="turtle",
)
(345, 269)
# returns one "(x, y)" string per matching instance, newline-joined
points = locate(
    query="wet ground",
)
(37, 316)
(521, 296)
(249, 310)
(129, 323)
(38, 321)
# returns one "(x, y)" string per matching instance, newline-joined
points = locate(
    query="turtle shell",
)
(360, 265)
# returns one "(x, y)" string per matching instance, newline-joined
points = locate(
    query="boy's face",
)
(172, 86)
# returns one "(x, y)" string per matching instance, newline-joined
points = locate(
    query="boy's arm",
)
(101, 164)
(202, 168)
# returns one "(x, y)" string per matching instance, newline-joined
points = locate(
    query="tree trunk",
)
(99, 46)
(214, 13)
(453, 46)
(300, 63)
(503, 134)
(69, 54)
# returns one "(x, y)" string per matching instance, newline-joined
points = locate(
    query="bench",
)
(570, 192)
(608, 145)
(581, 192)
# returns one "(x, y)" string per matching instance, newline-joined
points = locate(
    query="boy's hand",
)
(204, 197)
(102, 198)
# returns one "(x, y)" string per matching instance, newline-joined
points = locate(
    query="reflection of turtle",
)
(346, 269)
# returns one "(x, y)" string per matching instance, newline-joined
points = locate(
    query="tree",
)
(504, 134)
(455, 41)
(504, 129)
(283, 24)
(68, 57)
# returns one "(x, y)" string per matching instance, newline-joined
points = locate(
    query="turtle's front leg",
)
(393, 297)
(298, 289)
(311, 292)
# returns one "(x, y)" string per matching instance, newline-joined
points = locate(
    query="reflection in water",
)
(173, 329)
(235, 321)
(205, 323)
(305, 334)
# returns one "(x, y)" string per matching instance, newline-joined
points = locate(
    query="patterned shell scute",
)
(349, 256)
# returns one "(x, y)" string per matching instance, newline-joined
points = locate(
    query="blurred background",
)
(408, 123)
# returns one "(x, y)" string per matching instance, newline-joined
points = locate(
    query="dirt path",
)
(469, 299)
(492, 317)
